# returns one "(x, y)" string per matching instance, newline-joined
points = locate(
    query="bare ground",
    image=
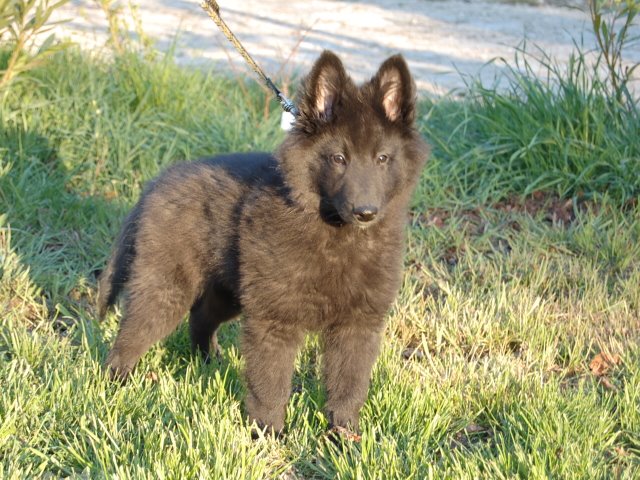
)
(440, 39)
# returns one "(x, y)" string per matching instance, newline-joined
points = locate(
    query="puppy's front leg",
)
(349, 354)
(269, 350)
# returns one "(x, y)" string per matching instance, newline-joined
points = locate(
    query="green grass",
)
(565, 134)
(506, 308)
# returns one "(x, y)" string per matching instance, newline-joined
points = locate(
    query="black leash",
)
(213, 10)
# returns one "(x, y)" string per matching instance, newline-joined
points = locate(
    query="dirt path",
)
(440, 39)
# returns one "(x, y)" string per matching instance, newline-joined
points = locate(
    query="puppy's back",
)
(187, 216)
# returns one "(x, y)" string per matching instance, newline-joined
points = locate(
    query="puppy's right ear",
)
(322, 88)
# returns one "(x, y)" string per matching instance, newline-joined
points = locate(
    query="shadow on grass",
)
(177, 352)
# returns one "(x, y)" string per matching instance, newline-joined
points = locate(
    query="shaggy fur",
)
(309, 238)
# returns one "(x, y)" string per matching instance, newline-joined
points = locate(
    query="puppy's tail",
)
(114, 277)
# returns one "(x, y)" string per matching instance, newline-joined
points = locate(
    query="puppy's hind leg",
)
(153, 310)
(216, 306)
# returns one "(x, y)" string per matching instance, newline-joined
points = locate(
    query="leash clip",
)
(287, 105)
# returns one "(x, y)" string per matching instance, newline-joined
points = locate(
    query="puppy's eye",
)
(382, 159)
(338, 159)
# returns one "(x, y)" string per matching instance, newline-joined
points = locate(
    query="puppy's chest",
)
(296, 270)
(342, 277)
(327, 265)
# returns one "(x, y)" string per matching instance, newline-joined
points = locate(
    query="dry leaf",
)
(606, 383)
(436, 221)
(110, 194)
(602, 363)
(539, 195)
(621, 451)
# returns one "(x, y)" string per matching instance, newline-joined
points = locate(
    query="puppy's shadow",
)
(178, 354)
(307, 389)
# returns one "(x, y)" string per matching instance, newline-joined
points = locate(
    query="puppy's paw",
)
(118, 371)
(119, 375)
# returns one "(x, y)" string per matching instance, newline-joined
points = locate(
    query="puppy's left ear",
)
(395, 90)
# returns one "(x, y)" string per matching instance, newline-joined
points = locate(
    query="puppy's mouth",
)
(330, 214)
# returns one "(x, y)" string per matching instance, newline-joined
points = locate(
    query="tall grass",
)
(562, 132)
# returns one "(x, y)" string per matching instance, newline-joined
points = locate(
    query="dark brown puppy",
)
(310, 238)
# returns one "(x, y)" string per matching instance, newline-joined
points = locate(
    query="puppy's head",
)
(354, 150)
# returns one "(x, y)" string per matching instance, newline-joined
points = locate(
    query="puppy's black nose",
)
(365, 213)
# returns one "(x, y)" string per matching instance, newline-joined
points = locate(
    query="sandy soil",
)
(440, 39)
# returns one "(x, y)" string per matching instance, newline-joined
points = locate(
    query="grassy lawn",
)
(512, 350)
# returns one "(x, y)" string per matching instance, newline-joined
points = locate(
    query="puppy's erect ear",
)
(395, 90)
(322, 87)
